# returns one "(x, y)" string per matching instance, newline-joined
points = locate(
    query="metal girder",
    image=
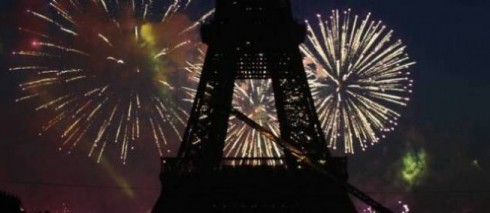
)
(304, 159)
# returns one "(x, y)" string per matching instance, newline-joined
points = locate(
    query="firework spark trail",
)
(358, 76)
(402, 208)
(255, 99)
(105, 71)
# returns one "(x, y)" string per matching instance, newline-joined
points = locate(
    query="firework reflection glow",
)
(358, 76)
(105, 71)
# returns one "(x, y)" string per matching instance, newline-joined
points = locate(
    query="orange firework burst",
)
(105, 69)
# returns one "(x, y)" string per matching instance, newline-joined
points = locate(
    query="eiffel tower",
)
(255, 39)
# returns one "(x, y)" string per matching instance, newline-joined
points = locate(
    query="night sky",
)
(443, 131)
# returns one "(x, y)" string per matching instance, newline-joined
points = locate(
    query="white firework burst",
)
(359, 77)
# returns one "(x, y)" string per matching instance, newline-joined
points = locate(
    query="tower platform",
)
(248, 188)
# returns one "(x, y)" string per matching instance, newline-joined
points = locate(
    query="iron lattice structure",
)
(252, 39)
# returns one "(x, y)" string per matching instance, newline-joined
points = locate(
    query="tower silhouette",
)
(253, 39)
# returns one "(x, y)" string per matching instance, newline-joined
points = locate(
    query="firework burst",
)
(358, 76)
(255, 99)
(105, 71)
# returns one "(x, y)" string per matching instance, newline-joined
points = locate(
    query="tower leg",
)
(295, 107)
(208, 121)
